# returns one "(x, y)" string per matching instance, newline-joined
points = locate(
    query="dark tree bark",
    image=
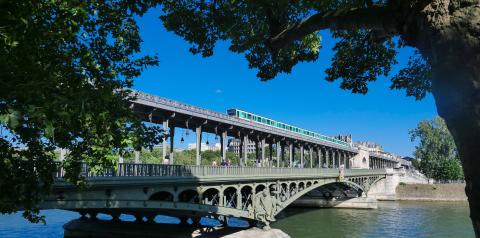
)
(450, 39)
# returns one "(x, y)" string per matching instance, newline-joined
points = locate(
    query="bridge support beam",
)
(245, 150)
(263, 152)
(278, 150)
(292, 150)
(172, 135)
(270, 156)
(311, 157)
(164, 142)
(301, 156)
(223, 145)
(327, 158)
(198, 132)
(319, 156)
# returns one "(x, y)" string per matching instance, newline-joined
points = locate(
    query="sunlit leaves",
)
(415, 78)
(436, 150)
(63, 67)
(359, 59)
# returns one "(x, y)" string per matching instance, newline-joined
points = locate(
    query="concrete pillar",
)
(334, 156)
(172, 134)
(245, 150)
(291, 155)
(221, 198)
(270, 157)
(239, 199)
(319, 155)
(301, 156)
(327, 158)
(137, 156)
(198, 132)
(279, 150)
(263, 152)
(311, 157)
(256, 153)
(223, 143)
(164, 142)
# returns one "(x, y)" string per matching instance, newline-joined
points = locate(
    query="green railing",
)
(160, 170)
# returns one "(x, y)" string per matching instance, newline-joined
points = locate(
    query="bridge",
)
(257, 194)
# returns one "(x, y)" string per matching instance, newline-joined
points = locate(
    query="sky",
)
(302, 98)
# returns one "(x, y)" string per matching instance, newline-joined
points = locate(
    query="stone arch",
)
(189, 196)
(247, 193)
(301, 186)
(211, 197)
(309, 183)
(161, 196)
(230, 194)
(259, 188)
(292, 189)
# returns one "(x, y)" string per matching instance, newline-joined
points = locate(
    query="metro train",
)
(269, 122)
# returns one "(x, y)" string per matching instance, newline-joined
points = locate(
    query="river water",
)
(391, 219)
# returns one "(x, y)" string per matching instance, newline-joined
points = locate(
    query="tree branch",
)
(379, 18)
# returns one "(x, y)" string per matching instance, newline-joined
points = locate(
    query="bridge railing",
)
(160, 170)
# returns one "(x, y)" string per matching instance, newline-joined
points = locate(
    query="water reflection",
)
(391, 219)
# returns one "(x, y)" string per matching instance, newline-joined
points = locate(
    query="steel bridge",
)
(256, 194)
(312, 152)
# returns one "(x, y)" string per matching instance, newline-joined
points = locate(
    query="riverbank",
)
(431, 192)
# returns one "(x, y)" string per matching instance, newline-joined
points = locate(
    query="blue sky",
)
(302, 98)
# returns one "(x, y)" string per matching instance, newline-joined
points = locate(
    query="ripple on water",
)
(391, 219)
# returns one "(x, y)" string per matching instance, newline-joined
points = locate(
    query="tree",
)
(436, 150)
(277, 35)
(64, 65)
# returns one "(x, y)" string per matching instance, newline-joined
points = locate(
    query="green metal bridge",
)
(256, 194)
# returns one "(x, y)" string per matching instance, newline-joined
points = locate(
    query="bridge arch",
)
(162, 196)
(189, 196)
(211, 196)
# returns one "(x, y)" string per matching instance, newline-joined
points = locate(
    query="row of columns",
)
(378, 163)
(326, 157)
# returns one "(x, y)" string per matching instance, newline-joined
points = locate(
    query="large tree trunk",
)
(448, 35)
(456, 88)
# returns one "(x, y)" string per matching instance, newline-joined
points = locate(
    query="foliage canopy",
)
(436, 150)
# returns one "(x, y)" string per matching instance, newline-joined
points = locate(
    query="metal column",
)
(319, 154)
(301, 156)
(262, 164)
(223, 145)
(164, 142)
(291, 155)
(198, 131)
(311, 157)
(172, 134)
(327, 158)
(245, 150)
(270, 157)
(279, 150)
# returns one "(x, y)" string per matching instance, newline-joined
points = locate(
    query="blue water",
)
(391, 219)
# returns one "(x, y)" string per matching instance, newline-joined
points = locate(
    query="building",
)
(205, 147)
(234, 146)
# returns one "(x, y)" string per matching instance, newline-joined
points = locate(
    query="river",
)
(391, 219)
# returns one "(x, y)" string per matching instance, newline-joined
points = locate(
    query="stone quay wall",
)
(431, 192)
